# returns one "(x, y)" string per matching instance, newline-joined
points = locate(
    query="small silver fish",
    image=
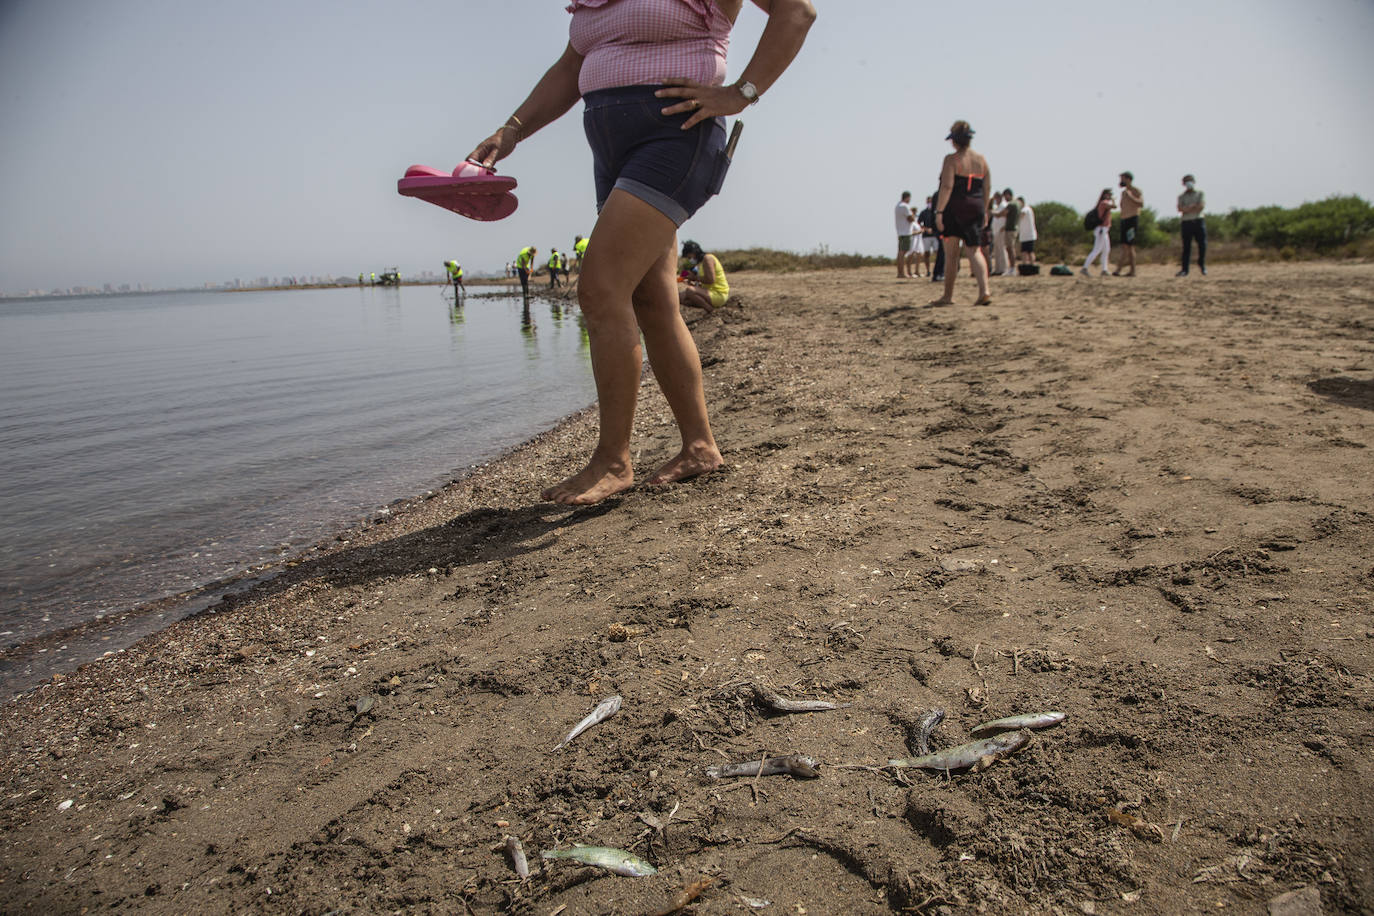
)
(776, 703)
(617, 861)
(517, 857)
(1013, 723)
(604, 710)
(966, 755)
(793, 765)
(924, 726)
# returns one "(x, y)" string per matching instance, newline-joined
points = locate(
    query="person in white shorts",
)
(905, 222)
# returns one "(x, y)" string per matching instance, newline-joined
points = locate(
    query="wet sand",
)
(1143, 502)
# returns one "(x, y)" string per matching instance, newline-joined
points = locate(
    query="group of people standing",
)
(999, 227)
(1191, 204)
(560, 264)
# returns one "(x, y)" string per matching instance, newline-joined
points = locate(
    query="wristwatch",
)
(749, 91)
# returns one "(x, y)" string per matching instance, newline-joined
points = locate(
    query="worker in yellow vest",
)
(580, 250)
(524, 263)
(555, 265)
(455, 276)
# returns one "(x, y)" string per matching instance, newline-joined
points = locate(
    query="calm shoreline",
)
(1139, 502)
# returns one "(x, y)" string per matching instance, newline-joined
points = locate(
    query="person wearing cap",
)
(1191, 203)
(906, 222)
(1132, 202)
(961, 211)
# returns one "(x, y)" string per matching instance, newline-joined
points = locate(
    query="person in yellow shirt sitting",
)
(711, 289)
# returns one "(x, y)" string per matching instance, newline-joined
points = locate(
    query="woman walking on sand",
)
(961, 211)
(658, 152)
(1102, 234)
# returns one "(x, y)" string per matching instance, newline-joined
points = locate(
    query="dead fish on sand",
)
(617, 861)
(776, 703)
(924, 726)
(604, 710)
(517, 857)
(793, 765)
(966, 755)
(1015, 723)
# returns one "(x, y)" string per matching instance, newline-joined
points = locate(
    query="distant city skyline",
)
(170, 144)
(110, 289)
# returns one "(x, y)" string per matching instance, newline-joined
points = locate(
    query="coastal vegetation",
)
(774, 261)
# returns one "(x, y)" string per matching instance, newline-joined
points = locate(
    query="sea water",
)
(152, 445)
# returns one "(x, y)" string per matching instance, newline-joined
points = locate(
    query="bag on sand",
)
(1028, 270)
(1091, 220)
(1061, 270)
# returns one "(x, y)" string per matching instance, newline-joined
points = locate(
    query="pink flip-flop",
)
(470, 190)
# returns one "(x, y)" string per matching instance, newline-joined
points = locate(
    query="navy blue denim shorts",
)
(649, 155)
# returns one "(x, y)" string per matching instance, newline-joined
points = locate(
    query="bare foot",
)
(688, 463)
(592, 484)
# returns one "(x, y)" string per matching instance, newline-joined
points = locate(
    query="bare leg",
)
(677, 369)
(628, 239)
(979, 266)
(692, 296)
(951, 269)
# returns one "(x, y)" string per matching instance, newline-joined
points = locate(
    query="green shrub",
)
(774, 261)
(1320, 226)
(1059, 229)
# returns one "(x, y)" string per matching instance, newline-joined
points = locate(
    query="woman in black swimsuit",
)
(961, 212)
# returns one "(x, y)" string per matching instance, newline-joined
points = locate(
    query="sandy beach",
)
(1145, 503)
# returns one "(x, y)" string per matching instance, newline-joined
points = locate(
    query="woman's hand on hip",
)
(702, 100)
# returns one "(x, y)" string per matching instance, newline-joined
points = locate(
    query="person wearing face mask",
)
(1132, 202)
(710, 290)
(1191, 203)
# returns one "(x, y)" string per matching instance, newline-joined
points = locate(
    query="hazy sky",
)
(174, 143)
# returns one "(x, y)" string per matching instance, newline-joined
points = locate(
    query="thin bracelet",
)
(518, 125)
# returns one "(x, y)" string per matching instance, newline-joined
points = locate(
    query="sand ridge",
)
(1143, 502)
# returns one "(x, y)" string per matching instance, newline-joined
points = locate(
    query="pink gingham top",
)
(643, 42)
